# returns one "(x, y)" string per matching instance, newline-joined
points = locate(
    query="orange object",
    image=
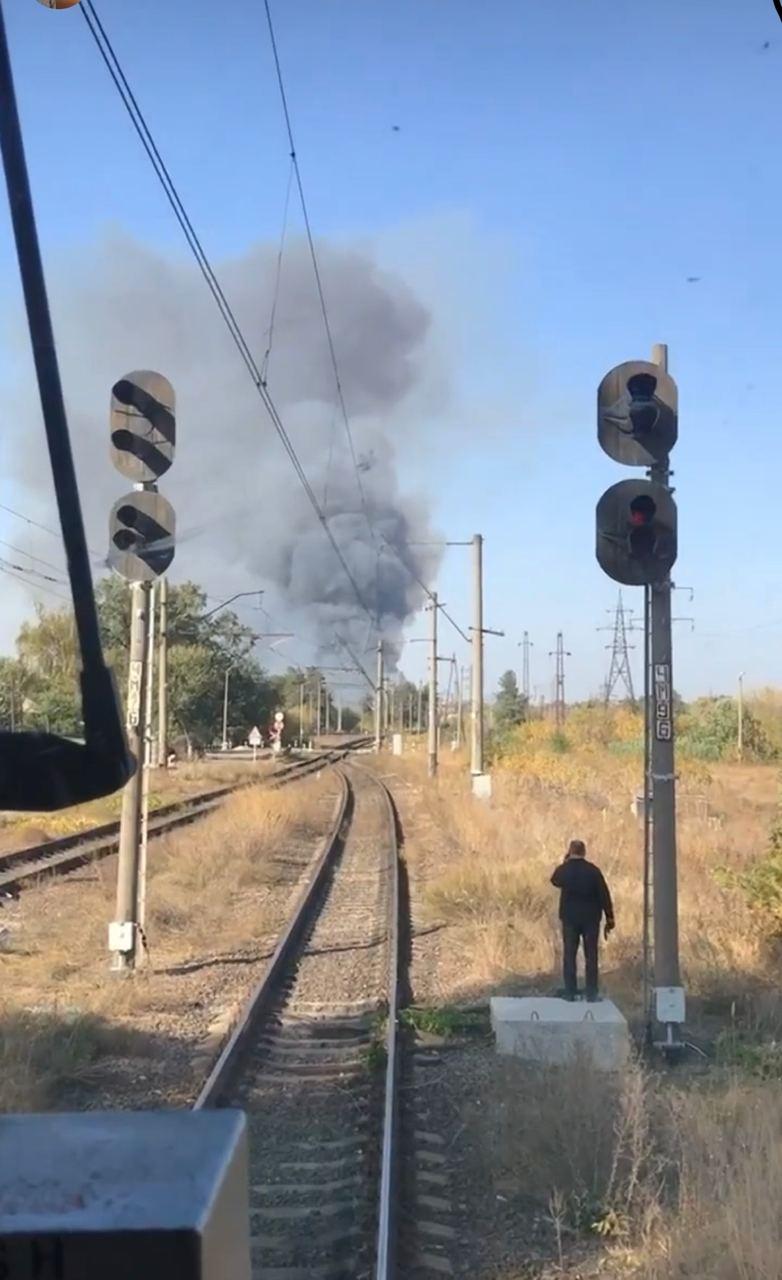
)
(58, 4)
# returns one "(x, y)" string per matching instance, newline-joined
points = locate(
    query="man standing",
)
(584, 898)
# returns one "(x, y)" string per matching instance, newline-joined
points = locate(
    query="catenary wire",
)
(138, 120)
(139, 123)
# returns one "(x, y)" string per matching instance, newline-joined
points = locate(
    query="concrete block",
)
(481, 785)
(122, 1194)
(397, 744)
(550, 1031)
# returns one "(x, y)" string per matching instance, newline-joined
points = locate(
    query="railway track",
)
(314, 1060)
(22, 866)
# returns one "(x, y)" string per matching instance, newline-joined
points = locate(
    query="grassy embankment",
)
(681, 1173)
(209, 886)
(167, 786)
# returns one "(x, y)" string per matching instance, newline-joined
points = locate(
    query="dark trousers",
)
(572, 934)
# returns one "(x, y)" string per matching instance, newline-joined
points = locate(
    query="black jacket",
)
(584, 895)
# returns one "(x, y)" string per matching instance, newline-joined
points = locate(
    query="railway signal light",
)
(637, 425)
(143, 425)
(141, 534)
(636, 532)
(141, 547)
(637, 407)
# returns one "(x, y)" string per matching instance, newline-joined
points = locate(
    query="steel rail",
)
(66, 852)
(386, 1252)
(265, 990)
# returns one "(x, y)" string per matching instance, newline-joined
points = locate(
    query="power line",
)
(277, 279)
(38, 559)
(35, 586)
(27, 520)
(316, 265)
(54, 533)
(426, 589)
(139, 123)
(33, 573)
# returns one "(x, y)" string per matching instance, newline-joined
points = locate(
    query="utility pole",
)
(310, 711)
(648, 922)
(339, 712)
(459, 704)
(319, 712)
(526, 645)
(666, 913)
(419, 717)
(327, 701)
(124, 952)
(740, 743)
(301, 714)
(379, 698)
(225, 708)
(149, 759)
(560, 653)
(162, 676)
(477, 761)
(433, 690)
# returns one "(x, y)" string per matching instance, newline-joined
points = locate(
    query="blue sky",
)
(558, 171)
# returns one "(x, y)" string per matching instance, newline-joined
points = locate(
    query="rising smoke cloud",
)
(126, 306)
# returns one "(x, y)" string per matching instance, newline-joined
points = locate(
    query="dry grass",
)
(494, 883)
(667, 1183)
(657, 1176)
(726, 1223)
(209, 887)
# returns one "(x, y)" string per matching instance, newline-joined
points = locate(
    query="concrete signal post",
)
(432, 739)
(636, 528)
(141, 548)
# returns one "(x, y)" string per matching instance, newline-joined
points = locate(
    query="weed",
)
(375, 1056)
(760, 1058)
(446, 1021)
(42, 1052)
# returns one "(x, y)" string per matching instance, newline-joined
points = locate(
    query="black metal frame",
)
(43, 771)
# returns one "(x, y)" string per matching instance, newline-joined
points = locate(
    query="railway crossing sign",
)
(143, 425)
(279, 718)
(142, 526)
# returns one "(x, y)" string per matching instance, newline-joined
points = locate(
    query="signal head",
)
(637, 404)
(636, 532)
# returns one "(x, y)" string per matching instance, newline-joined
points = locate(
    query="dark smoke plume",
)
(128, 307)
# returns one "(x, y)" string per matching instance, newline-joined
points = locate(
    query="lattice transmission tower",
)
(619, 671)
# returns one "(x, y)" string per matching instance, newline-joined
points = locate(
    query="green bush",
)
(761, 1058)
(762, 882)
(708, 730)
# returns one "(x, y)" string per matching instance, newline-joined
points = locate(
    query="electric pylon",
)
(619, 670)
(560, 653)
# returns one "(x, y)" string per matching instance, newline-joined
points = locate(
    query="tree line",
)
(707, 728)
(39, 685)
